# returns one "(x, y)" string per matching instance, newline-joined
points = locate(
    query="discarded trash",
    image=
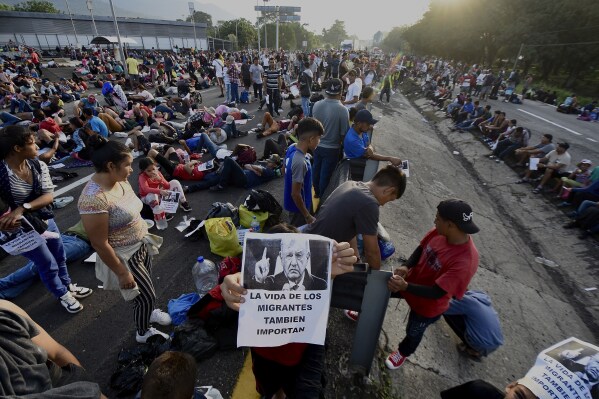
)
(546, 262)
(590, 289)
(101, 287)
(424, 120)
(184, 223)
(456, 153)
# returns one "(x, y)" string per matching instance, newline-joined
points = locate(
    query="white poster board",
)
(170, 202)
(534, 163)
(288, 281)
(567, 370)
(22, 239)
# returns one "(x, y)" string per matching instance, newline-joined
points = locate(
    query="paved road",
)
(105, 325)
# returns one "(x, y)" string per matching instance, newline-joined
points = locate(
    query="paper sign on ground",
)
(57, 166)
(288, 281)
(533, 163)
(170, 202)
(567, 370)
(206, 166)
(22, 239)
(241, 121)
(222, 153)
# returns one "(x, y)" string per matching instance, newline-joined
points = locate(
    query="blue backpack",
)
(245, 97)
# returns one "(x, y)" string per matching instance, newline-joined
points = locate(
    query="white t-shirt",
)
(554, 158)
(146, 95)
(352, 91)
(218, 67)
(220, 138)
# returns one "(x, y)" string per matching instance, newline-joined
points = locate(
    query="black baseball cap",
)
(460, 213)
(333, 86)
(564, 145)
(365, 116)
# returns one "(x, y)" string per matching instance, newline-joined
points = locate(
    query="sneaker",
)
(218, 187)
(395, 360)
(150, 333)
(135, 154)
(79, 292)
(260, 135)
(70, 303)
(121, 135)
(160, 317)
(169, 216)
(186, 207)
(145, 129)
(491, 156)
(351, 314)
(521, 181)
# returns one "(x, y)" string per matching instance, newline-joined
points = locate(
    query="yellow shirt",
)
(132, 66)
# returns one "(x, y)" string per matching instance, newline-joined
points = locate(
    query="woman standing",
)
(26, 187)
(110, 212)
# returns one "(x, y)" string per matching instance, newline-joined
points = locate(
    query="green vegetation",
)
(36, 6)
(490, 32)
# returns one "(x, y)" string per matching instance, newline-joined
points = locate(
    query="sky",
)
(362, 18)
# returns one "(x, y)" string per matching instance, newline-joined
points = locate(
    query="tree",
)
(395, 40)
(201, 17)
(36, 6)
(5, 7)
(335, 34)
(243, 32)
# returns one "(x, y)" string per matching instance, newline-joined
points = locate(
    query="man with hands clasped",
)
(439, 269)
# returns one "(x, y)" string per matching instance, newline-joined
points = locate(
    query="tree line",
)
(491, 32)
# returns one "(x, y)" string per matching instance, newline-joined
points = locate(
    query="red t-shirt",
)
(35, 58)
(181, 173)
(50, 125)
(451, 267)
(287, 355)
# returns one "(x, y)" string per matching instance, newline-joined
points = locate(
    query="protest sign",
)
(170, 202)
(288, 278)
(202, 167)
(567, 370)
(22, 239)
(405, 167)
(533, 163)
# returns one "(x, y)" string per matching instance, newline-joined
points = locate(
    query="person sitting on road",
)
(569, 106)
(552, 165)
(172, 166)
(476, 323)
(585, 217)
(356, 143)
(499, 125)
(153, 185)
(34, 364)
(272, 126)
(506, 147)
(537, 151)
(580, 177)
(471, 124)
(142, 95)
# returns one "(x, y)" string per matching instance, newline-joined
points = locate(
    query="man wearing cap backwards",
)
(439, 269)
(356, 143)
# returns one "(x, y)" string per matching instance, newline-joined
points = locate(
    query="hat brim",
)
(468, 228)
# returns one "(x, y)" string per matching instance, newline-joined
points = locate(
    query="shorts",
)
(271, 376)
(247, 82)
(485, 89)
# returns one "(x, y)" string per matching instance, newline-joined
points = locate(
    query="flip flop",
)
(470, 353)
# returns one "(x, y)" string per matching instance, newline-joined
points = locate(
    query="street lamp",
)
(90, 7)
(265, 25)
(195, 37)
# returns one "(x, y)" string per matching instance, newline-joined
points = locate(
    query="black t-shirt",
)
(477, 389)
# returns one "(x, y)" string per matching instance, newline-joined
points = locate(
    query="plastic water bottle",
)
(160, 217)
(205, 275)
(255, 224)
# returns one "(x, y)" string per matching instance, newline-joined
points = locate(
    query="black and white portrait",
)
(286, 262)
(582, 360)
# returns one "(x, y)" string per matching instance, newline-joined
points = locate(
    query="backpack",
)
(223, 209)
(245, 154)
(245, 97)
(260, 200)
(304, 83)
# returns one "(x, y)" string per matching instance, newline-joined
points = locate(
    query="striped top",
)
(125, 224)
(272, 78)
(20, 189)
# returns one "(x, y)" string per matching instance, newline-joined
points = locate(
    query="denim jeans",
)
(200, 142)
(228, 92)
(415, 329)
(325, 161)
(8, 119)
(22, 104)
(231, 130)
(306, 106)
(273, 101)
(232, 173)
(165, 110)
(15, 283)
(234, 92)
(50, 260)
(209, 180)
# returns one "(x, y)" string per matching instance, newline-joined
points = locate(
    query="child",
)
(298, 179)
(153, 185)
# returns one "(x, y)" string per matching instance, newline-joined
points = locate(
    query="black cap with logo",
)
(460, 213)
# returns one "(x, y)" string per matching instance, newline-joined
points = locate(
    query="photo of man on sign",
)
(297, 264)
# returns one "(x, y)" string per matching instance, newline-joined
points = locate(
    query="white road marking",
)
(72, 185)
(548, 121)
(593, 140)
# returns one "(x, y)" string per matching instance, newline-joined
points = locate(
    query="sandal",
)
(469, 352)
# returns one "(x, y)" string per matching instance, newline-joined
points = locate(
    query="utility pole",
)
(90, 7)
(277, 39)
(72, 23)
(118, 36)
(195, 37)
(265, 29)
(518, 56)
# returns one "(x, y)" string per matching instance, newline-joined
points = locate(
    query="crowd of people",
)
(179, 145)
(547, 165)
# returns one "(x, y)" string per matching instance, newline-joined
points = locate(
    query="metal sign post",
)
(195, 37)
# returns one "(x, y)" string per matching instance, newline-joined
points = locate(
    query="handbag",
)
(222, 235)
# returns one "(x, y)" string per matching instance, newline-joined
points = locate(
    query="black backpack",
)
(263, 201)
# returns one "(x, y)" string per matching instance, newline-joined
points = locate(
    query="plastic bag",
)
(246, 216)
(192, 338)
(177, 308)
(222, 235)
(127, 380)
